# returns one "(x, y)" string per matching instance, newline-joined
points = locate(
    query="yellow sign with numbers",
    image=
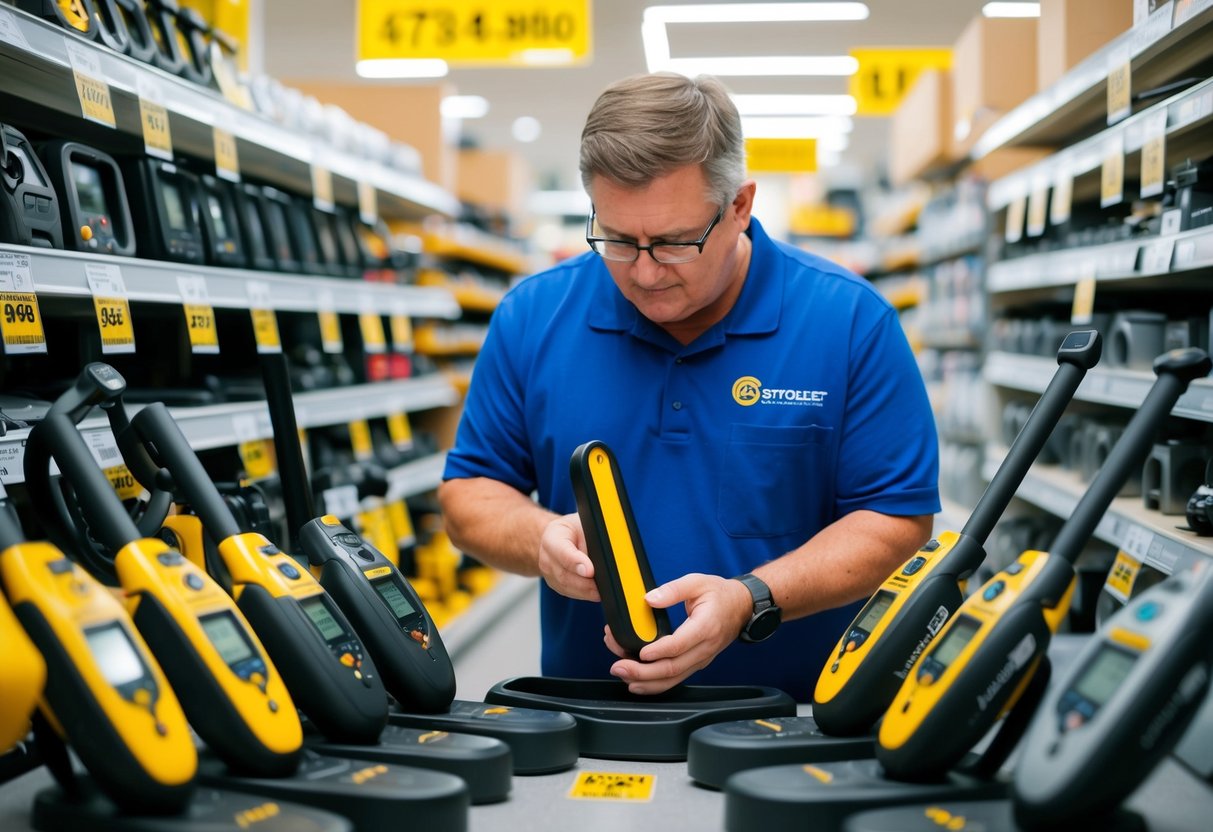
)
(1083, 307)
(885, 75)
(227, 158)
(360, 439)
(204, 334)
(114, 320)
(1122, 576)
(91, 86)
(1120, 91)
(21, 323)
(610, 785)
(400, 431)
(258, 458)
(402, 332)
(475, 33)
(373, 338)
(123, 482)
(265, 330)
(157, 138)
(330, 331)
(322, 187)
(781, 155)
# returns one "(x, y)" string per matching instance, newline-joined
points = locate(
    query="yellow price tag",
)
(402, 524)
(373, 338)
(402, 332)
(885, 75)
(330, 324)
(368, 203)
(472, 32)
(113, 311)
(322, 187)
(227, 160)
(157, 138)
(21, 323)
(265, 330)
(258, 459)
(1154, 156)
(610, 785)
(1120, 89)
(400, 431)
(376, 528)
(781, 155)
(123, 482)
(1015, 216)
(91, 87)
(1060, 203)
(199, 314)
(360, 439)
(1038, 209)
(1122, 576)
(1083, 307)
(1112, 174)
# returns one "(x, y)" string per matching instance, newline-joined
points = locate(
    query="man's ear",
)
(743, 203)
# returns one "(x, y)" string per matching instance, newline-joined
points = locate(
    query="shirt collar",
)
(755, 312)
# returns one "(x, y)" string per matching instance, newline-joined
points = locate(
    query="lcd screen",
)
(227, 636)
(958, 636)
(322, 618)
(90, 194)
(1104, 674)
(174, 207)
(875, 610)
(391, 593)
(115, 653)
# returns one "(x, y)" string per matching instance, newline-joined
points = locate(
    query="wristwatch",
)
(766, 615)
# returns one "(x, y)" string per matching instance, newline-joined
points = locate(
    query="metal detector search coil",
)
(621, 569)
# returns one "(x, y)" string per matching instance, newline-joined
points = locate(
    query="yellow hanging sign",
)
(781, 155)
(885, 75)
(533, 33)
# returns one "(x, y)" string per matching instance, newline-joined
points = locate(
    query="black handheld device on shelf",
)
(347, 243)
(328, 243)
(166, 205)
(29, 215)
(259, 242)
(220, 220)
(287, 246)
(93, 205)
(621, 568)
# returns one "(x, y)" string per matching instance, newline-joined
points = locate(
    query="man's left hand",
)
(717, 609)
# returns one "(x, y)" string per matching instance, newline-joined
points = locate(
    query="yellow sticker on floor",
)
(611, 785)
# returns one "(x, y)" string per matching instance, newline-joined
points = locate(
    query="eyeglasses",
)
(625, 251)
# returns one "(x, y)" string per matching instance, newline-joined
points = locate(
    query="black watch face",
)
(763, 625)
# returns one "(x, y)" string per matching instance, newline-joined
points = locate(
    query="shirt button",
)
(678, 405)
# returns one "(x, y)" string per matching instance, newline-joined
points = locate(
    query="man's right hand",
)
(563, 561)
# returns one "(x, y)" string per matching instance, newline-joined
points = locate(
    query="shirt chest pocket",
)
(774, 480)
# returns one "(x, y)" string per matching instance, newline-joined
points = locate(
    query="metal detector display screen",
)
(216, 210)
(174, 207)
(28, 168)
(391, 593)
(957, 638)
(90, 193)
(322, 618)
(116, 656)
(1104, 674)
(228, 637)
(875, 610)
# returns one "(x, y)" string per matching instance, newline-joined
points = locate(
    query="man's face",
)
(683, 298)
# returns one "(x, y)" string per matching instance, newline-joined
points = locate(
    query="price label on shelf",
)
(157, 137)
(1156, 256)
(1120, 86)
(1122, 576)
(330, 324)
(341, 501)
(402, 331)
(227, 159)
(1154, 155)
(1060, 202)
(1038, 207)
(12, 463)
(1112, 174)
(20, 317)
(112, 308)
(360, 439)
(400, 431)
(10, 31)
(1083, 308)
(265, 320)
(322, 187)
(368, 203)
(199, 314)
(371, 325)
(257, 456)
(91, 86)
(1015, 218)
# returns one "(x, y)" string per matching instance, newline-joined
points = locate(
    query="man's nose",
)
(646, 271)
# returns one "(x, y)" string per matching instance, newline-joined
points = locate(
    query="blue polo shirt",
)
(803, 404)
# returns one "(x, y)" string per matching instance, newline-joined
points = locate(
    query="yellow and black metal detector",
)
(236, 700)
(23, 672)
(621, 568)
(976, 669)
(322, 659)
(391, 618)
(898, 622)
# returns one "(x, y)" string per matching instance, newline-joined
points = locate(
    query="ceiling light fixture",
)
(464, 106)
(765, 65)
(795, 105)
(1011, 10)
(756, 12)
(795, 127)
(402, 68)
(526, 129)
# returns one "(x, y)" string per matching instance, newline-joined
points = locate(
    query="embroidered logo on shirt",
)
(748, 391)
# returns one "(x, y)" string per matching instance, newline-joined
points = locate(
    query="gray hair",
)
(646, 126)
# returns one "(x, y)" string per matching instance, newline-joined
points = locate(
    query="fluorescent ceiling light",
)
(756, 12)
(795, 105)
(402, 68)
(464, 106)
(795, 127)
(1011, 10)
(764, 65)
(526, 129)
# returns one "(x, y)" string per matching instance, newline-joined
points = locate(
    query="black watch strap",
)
(765, 614)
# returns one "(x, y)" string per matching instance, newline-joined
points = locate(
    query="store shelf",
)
(1121, 388)
(486, 612)
(1168, 44)
(415, 477)
(476, 247)
(950, 339)
(36, 70)
(219, 426)
(1176, 261)
(1149, 536)
(1188, 115)
(63, 274)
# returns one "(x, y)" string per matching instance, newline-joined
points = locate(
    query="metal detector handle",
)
(97, 383)
(56, 437)
(146, 472)
(1079, 352)
(169, 449)
(292, 473)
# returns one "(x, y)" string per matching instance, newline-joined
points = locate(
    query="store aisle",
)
(502, 645)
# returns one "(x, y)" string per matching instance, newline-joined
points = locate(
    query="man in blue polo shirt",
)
(765, 409)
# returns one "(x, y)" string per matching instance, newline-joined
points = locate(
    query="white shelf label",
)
(92, 88)
(10, 31)
(103, 447)
(244, 425)
(12, 461)
(341, 501)
(1137, 541)
(1156, 256)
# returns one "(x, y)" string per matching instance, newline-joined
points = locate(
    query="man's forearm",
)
(494, 523)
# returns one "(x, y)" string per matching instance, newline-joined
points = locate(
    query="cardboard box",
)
(921, 133)
(1070, 30)
(495, 179)
(993, 70)
(407, 112)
